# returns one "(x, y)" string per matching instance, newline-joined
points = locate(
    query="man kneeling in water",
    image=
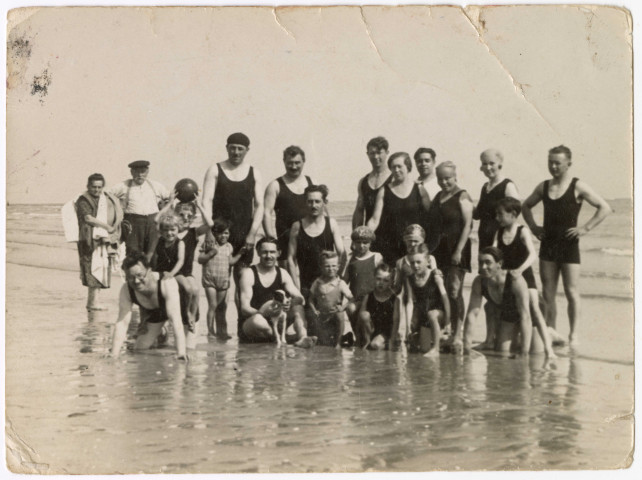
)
(159, 301)
(260, 307)
(508, 301)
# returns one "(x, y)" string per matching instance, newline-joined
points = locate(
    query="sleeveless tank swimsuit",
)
(381, 315)
(308, 250)
(514, 255)
(485, 212)
(452, 224)
(427, 297)
(166, 256)
(396, 215)
(260, 295)
(289, 208)
(234, 201)
(508, 305)
(191, 241)
(560, 215)
(156, 315)
(360, 276)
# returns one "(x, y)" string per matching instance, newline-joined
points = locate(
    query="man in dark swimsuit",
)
(159, 300)
(508, 300)
(234, 190)
(562, 197)
(258, 286)
(285, 200)
(377, 151)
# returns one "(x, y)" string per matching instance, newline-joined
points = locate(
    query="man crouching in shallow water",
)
(258, 286)
(508, 317)
(159, 301)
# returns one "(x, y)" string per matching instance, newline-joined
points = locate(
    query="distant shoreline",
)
(621, 199)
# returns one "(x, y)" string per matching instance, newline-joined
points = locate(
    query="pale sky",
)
(170, 84)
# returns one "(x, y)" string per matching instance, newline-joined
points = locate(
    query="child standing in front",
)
(427, 300)
(375, 315)
(516, 244)
(329, 297)
(217, 261)
(360, 272)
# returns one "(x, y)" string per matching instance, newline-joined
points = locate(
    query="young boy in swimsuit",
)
(516, 245)
(413, 236)
(217, 260)
(559, 252)
(329, 297)
(426, 302)
(360, 272)
(375, 316)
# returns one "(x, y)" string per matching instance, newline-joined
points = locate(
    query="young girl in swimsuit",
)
(187, 235)
(217, 261)
(329, 297)
(360, 271)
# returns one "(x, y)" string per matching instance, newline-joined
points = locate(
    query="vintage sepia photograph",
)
(319, 239)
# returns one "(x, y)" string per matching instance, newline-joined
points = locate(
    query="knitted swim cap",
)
(238, 139)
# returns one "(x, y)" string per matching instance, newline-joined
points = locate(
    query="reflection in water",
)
(259, 408)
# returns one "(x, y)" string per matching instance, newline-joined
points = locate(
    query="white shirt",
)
(143, 199)
(431, 186)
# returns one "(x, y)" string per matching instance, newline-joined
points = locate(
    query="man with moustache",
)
(258, 286)
(285, 200)
(232, 190)
(141, 200)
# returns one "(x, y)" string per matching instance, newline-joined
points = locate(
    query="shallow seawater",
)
(259, 408)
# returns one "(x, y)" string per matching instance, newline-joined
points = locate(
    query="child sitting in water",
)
(427, 300)
(516, 245)
(375, 315)
(329, 297)
(217, 261)
(174, 255)
(360, 271)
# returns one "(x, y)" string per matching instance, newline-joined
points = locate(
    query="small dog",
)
(276, 316)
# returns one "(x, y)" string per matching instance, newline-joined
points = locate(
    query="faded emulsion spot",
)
(41, 84)
(20, 47)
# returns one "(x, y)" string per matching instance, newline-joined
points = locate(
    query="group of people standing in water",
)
(399, 287)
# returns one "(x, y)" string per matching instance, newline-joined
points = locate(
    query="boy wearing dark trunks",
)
(375, 315)
(559, 252)
(508, 301)
(516, 245)
(426, 301)
(329, 297)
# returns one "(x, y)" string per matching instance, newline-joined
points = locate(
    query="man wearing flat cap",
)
(140, 199)
(233, 190)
